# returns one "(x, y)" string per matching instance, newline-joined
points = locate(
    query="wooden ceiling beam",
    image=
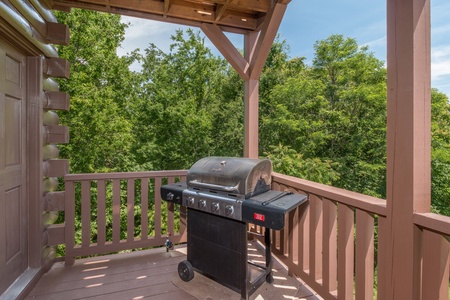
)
(195, 12)
(241, 5)
(253, 5)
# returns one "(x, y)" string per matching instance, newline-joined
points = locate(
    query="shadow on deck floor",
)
(152, 274)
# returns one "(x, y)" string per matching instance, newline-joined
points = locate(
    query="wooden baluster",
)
(101, 212)
(345, 251)
(329, 245)
(304, 238)
(130, 210)
(116, 212)
(436, 259)
(292, 229)
(381, 253)
(85, 214)
(316, 230)
(144, 208)
(170, 212)
(158, 211)
(69, 220)
(364, 254)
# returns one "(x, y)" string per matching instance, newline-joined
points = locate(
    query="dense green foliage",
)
(325, 122)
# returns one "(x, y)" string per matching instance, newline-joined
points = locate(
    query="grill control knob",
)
(169, 197)
(215, 206)
(229, 210)
(190, 201)
(202, 203)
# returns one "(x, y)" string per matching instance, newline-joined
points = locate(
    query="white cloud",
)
(380, 42)
(142, 32)
(440, 52)
(440, 29)
(440, 61)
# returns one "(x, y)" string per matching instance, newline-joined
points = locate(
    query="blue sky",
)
(306, 22)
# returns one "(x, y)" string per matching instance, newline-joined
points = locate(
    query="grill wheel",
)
(185, 270)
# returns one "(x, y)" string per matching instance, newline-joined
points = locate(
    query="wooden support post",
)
(408, 141)
(251, 98)
(257, 46)
(251, 119)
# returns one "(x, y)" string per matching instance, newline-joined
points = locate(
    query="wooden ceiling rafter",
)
(236, 16)
(220, 9)
(260, 43)
(166, 8)
(257, 20)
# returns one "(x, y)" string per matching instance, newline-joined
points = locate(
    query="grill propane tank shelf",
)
(223, 195)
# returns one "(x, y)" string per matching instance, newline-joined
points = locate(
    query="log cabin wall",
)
(29, 28)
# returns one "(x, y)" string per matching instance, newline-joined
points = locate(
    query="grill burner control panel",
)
(267, 209)
(213, 203)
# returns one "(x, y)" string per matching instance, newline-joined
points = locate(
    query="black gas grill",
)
(222, 195)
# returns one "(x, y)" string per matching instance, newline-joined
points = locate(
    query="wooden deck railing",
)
(336, 242)
(435, 248)
(125, 205)
(330, 243)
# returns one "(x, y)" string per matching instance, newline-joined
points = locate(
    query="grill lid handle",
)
(214, 186)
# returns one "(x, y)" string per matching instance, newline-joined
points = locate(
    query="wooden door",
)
(13, 198)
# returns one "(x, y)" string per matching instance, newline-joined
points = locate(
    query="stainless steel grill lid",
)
(243, 177)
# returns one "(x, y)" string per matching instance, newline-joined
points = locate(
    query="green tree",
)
(288, 161)
(101, 90)
(440, 152)
(190, 106)
(334, 111)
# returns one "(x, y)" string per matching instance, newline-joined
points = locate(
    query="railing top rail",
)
(353, 199)
(124, 175)
(433, 222)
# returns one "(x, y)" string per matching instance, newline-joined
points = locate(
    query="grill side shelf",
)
(269, 209)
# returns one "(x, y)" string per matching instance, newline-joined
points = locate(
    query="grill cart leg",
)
(269, 277)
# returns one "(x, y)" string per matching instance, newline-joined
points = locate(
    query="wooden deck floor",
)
(150, 274)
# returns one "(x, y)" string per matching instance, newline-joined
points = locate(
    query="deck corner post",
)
(408, 142)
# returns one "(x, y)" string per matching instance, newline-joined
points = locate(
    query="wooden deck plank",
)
(146, 274)
(160, 291)
(115, 278)
(109, 265)
(148, 286)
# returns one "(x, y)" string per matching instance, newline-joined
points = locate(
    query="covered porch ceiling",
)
(237, 16)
